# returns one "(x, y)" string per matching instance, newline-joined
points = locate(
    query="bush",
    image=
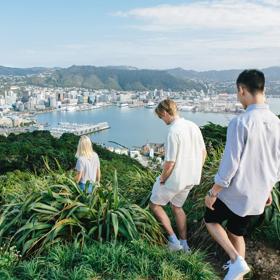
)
(25, 152)
(62, 212)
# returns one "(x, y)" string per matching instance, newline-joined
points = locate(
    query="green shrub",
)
(25, 152)
(61, 211)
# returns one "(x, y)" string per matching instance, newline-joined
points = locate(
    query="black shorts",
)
(235, 224)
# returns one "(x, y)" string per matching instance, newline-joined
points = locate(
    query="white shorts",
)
(162, 195)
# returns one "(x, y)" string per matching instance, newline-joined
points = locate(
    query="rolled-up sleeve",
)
(171, 147)
(236, 138)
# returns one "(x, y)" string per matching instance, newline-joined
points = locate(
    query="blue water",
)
(134, 126)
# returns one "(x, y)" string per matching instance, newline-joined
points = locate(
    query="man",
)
(184, 157)
(248, 171)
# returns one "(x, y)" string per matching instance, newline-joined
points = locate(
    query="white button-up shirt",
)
(250, 166)
(184, 146)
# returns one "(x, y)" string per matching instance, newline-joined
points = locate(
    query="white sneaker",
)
(236, 269)
(186, 248)
(174, 247)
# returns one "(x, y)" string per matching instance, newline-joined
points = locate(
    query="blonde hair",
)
(84, 147)
(167, 105)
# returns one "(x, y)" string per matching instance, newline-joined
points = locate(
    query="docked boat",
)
(187, 108)
(70, 108)
(150, 105)
(122, 105)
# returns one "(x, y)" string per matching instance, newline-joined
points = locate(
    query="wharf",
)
(77, 128)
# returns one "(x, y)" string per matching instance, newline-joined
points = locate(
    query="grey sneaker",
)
(174, 247)
(237, 269)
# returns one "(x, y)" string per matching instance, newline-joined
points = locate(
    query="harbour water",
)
(134, 126)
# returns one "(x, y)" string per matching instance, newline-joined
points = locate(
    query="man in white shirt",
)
(249, 169)
(185, 154)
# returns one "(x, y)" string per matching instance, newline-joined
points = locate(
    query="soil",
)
(263, 259)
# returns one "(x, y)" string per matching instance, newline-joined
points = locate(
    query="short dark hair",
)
(252, 79)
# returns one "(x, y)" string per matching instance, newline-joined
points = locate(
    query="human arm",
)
(211, 196)
(78, 176)
(170, 156)
(167, 170)
(98, 171)
(269, 200)
(236, 140)
(98, 175)
(79, 170)
(204, 156)
(202, 146)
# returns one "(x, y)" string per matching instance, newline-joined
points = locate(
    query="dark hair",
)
(252, 79)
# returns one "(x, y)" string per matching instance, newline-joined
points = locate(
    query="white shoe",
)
(236, 269)
(186, 248)
(174, 247)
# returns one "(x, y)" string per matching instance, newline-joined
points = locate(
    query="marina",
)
(77, 129)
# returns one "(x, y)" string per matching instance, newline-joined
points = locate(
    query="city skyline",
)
(198, 35)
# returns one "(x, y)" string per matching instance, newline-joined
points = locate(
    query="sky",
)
(148, 34)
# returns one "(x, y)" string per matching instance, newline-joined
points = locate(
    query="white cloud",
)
(210, 34)
(199, 35)
(236, 15)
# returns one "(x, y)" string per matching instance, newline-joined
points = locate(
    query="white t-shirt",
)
(184, 146)
(88, 167)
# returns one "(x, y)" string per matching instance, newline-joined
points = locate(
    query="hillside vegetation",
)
(50, 229)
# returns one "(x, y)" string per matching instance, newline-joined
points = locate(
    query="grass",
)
(49, 215)
(131, 260)
(63, 213)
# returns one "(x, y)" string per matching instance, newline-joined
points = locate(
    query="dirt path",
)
(264, 260)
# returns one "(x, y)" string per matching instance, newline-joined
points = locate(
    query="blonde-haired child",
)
(88, 164)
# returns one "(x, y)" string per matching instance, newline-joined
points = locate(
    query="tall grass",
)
(137, 185)
(62, 212)
(130, 260)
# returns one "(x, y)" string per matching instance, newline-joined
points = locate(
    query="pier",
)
(77, 128)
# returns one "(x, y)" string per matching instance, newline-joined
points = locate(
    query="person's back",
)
(249, 169)
(185, 154)
(88, 165)
(258, 130)
(189, 160)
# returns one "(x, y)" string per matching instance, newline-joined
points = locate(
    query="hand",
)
(161, 181)
(269, 200)
(209, 201)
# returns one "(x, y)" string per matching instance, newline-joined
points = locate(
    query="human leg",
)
(162, 217)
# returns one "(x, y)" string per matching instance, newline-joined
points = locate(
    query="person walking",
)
(249, 169)
(185, 154)
(88, 165)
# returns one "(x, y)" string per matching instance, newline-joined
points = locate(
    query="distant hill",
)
(128, 77)
(271, 73)
(9, 71)
(118, 78)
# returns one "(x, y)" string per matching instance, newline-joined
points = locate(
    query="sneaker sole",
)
(174, 249)
(241, 274)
